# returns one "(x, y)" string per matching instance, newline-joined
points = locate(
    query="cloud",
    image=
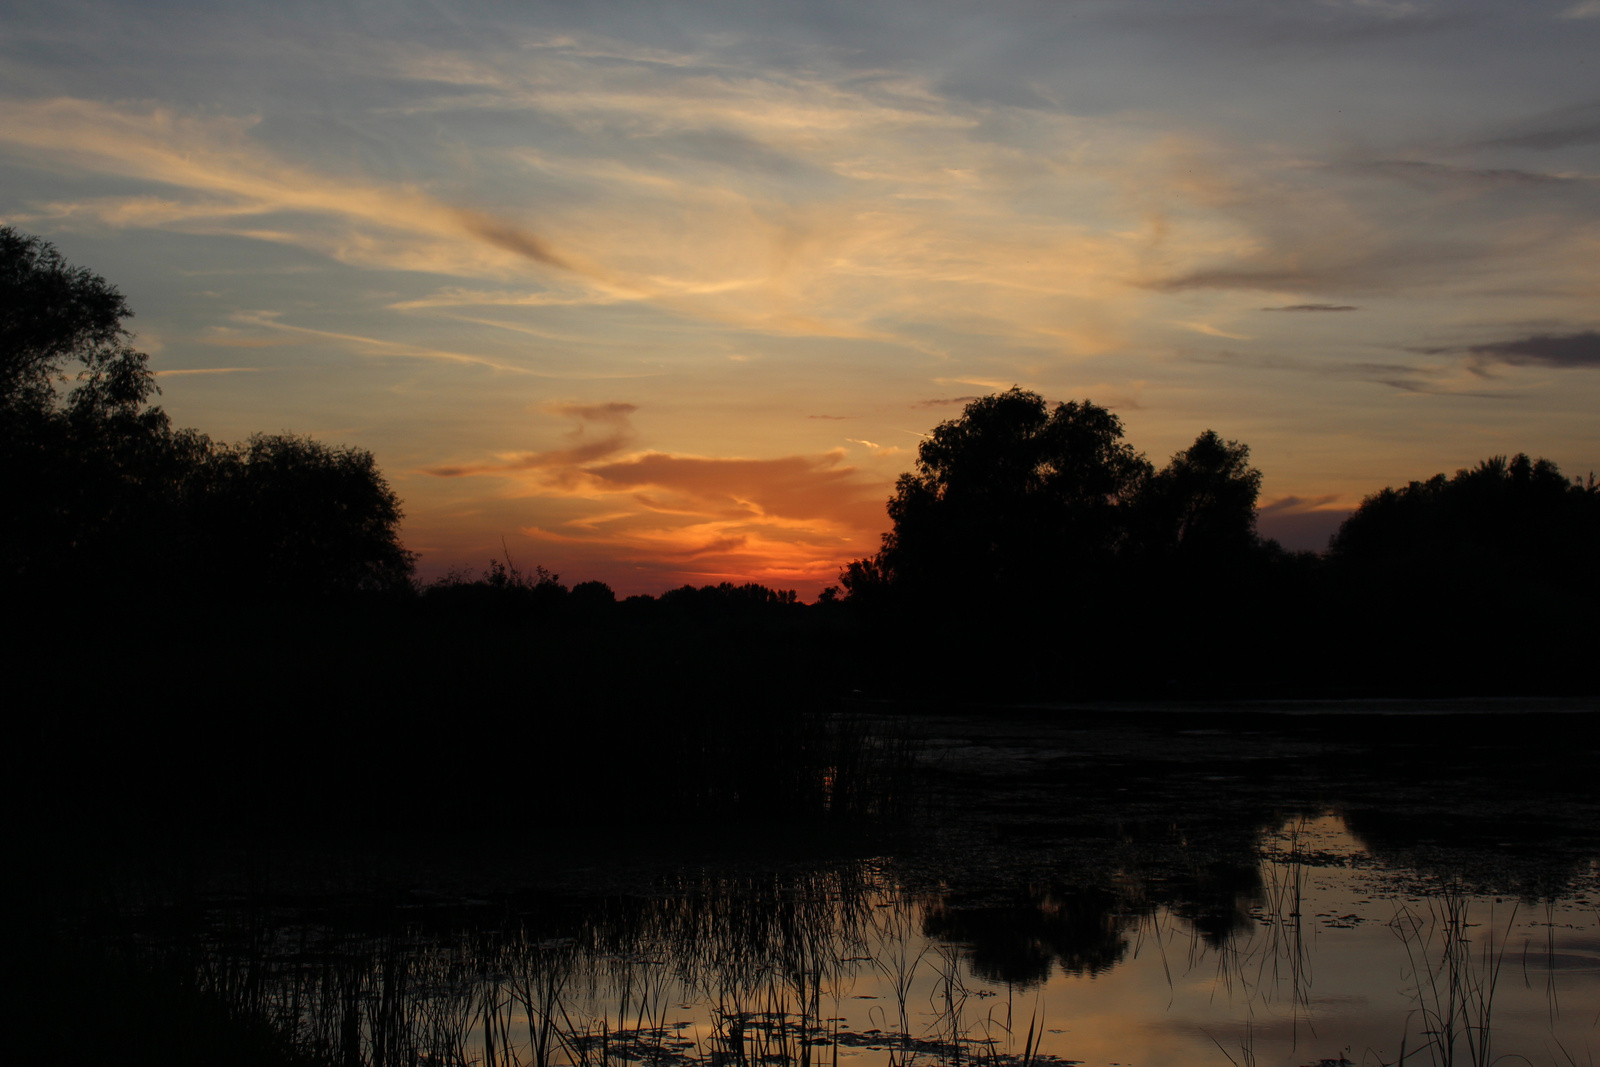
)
(1440, 378)
(790, 488)
(866, 235)
(999, 385)
(1212, 331)
(1292, 504)
(1569, 350)
(270, 321)
(789, 519)
(1288, 225)
(786, 201)
(940, 402)
(616, 413)
(1588, 9)
(502, 234)
(226, 183)
(613, 415)
(1561, 128)
(1315, 307)
(1384, 264)
(1425, 172)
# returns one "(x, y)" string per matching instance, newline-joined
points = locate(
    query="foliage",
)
(725, 600)
(52, 314)
(301, 516)
(1517, 517)
(104, 495)
(1203, 503)
(502, 590)
(1013, 494)
(1016, 499)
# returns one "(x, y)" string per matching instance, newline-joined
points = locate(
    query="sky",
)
(655, 293)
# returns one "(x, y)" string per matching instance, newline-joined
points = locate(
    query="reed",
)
(1453, 978)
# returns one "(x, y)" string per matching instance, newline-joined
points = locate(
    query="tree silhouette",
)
(1039, 542)
(1517, 516)
(1012, 496)
(53, 314)
(91, 480)
(1483, 581)
(1202, 505)
(103, 494)
(282, 514)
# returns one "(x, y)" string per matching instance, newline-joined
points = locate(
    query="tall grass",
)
(1454, 975)
(768, 963)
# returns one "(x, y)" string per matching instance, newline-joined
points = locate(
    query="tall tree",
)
(102, 493)
(53, 314)
(1202, 505)
(1011, 497)
(287, 515)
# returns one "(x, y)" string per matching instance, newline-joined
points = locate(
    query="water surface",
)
(1217, 890)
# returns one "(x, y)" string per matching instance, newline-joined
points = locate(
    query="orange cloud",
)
(790, 521)
(613, 415)
(792, 488)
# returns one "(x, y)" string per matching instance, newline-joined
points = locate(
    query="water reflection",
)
(1308, 949)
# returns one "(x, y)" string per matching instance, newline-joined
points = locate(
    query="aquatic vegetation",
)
(1454, 976)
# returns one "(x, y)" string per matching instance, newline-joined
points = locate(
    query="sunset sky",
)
(664, 293)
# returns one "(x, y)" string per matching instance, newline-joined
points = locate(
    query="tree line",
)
(1042, 553)
(1032, 549)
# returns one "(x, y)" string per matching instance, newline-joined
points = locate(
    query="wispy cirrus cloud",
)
(1430, 174)
(1565, 127)
(790, 205)
(1566, 351)
(1580, 349)
(1437, 377)
(616, 436)
(226, 183)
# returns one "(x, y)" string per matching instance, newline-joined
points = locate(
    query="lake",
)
(1251, 884)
